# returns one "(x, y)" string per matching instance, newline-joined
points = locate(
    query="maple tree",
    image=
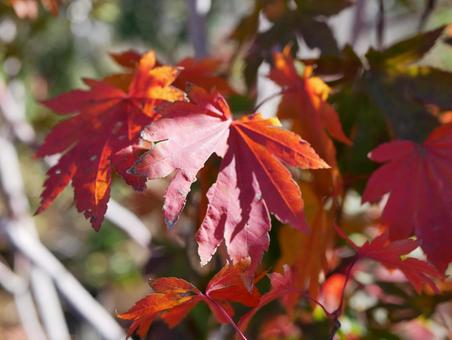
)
(285, 217)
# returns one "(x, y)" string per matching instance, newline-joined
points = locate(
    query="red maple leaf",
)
(204, 73)
(331, 294)
(279, 327)
(201, 72)
(108, 121)
(282, 286)
(172, 299)
(392, 254)
(252, 180)
(418, 178)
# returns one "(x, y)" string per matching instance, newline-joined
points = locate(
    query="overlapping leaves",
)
(393, 255)
(305, 20)
(102, 122)
(172, 299)
(252, 180)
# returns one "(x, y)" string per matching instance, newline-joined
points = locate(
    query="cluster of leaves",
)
(156, 120)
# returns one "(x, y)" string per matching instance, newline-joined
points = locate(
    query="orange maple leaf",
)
(306, 252)
(102, 135)
(204, 72)
(304, 103)
(172, 299)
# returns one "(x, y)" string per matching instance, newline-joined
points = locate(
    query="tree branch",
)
(197, 28)
(128, 222)
(18, 209)
(20, 229)
(66, 283)
(124, 219)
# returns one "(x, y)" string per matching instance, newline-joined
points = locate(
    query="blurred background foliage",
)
(48, 55)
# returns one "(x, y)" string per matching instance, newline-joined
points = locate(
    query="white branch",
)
(10, 281)
(28, 316)
(67, 284)
(14, 114)
(49, 305)
(25, 306)
(17, 204)
(129, 223)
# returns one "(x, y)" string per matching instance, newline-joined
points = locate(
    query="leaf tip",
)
(169, 222)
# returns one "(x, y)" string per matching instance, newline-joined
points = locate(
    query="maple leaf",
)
(279, 327)
(252, 180)
(304, 20)
(304, 101)
(284, 288)
(305, 253)
(107, 121)
(331, 295)
(418, 178)
(203, 72)
(128, 58)
(392, 254)
(281, 287)
(172, 299)
(314, 119)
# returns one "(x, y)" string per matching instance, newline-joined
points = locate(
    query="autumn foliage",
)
(179, 122)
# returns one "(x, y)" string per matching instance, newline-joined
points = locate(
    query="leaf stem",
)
(347, 278)
(270, 97)
(327, 313)
(227, 316)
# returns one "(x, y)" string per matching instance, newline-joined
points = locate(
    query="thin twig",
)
(318, 303)
(338, 312)
(270, 97)
(380, 24)
(347, 278)
(358, 21)
(429, 7)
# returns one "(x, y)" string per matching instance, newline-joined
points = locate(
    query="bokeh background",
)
(43, 55)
